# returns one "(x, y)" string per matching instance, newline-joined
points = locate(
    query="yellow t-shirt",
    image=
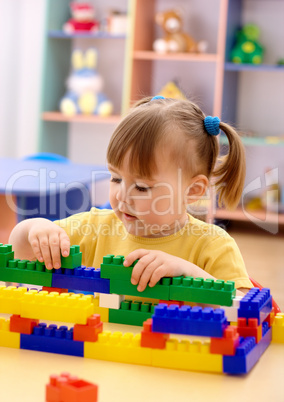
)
(100, 232)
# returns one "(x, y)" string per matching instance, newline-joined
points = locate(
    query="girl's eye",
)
(115, 180)
(142, 189)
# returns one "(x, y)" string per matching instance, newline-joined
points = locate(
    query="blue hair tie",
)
(157, 97)
(211, 125)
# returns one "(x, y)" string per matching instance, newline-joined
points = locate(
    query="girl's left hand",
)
(154, 265)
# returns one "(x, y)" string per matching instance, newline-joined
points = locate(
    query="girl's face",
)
(153, 207)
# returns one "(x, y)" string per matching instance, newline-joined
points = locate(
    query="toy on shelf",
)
(84, 87)
(82, 19)
(247, 48)
(117, 22)
(175, 40)
(171, 90)
(67, 388)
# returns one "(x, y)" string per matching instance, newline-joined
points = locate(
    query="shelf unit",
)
(256, 68)
(210, 79)
(57, 116)
(149, 71)
(85, 35)
(54, 127)
(258, 215)
(272, 141)
(219, 100)
(251, 80)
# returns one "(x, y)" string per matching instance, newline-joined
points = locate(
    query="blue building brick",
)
(81, 279)
(52, 340)
(256, 304)
(188, 320)
(247, 354)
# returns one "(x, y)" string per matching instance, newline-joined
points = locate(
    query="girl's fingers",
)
(146, 275)
(64, 244)
(135, 255)
(157, 275)
(55, 251)
(45, 251)
(36, 249)
(140, 267)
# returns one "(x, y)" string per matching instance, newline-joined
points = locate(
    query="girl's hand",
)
(154, 265)
(48, 241)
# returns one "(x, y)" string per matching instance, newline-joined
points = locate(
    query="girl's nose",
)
(121, 194)
(124, 194)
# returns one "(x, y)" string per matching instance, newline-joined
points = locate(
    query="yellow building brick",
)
(278, 328)
(103, 311)
(8, 339)
(186, 355)
(10, 299)
(66, 307)
(118, 348)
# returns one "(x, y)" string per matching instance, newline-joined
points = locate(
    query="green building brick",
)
(112, 268)
(74, 259)
(6, 254)
(132, 313)
(160, 291)
(199, 290)
(24, 271)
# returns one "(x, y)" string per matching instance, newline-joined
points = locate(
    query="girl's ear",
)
(196, 189)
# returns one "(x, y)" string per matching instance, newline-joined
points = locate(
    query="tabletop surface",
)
(24, 374)
(33, 177)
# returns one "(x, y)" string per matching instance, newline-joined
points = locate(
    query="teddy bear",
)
(84, 86)
(175, 40)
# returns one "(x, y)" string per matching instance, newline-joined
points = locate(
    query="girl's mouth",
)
(129, 217)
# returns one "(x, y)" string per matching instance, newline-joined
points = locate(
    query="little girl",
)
(161, 157)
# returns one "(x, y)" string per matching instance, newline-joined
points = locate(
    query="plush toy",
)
(84, 87)
(171, 90)
(82, 18)
(247, 49)
(175, 40)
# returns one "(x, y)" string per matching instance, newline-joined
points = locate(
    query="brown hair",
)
(179, 125)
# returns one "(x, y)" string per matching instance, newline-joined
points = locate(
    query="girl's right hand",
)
(48, 241)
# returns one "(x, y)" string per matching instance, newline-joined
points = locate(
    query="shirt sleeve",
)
(75, 226)
(81, 230)
(222, 259)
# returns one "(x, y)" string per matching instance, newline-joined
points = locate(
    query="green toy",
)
(247, 49)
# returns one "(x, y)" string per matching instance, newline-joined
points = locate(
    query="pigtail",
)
(231, 170)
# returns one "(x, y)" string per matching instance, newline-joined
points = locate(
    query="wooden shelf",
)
(85, 35)
(253, 67)
(238, 215)
(57, 116)
(150, 55)
(257, 141)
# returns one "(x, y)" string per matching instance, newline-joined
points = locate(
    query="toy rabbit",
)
(84, 87)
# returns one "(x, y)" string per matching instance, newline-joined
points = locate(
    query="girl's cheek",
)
(162, 206)
(143, 206)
